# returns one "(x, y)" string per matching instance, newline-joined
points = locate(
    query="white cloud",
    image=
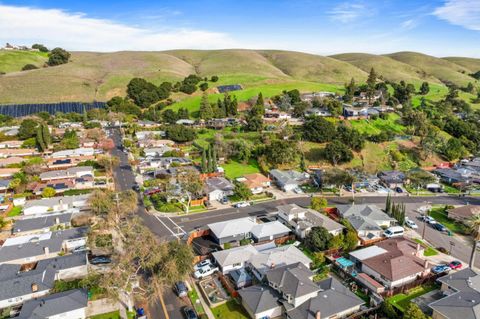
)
(76, 31)
(465, 13)
(350, 11)
(409, 24)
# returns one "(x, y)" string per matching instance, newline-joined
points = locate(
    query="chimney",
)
(46, 250)
(34, 287)
(318, 315)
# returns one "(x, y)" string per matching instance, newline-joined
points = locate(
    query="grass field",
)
(109, 315)
(230, 310)
(235, 169)
(17, 210)
(401, 301)
(13, 61)
(429, 251)
(379, 125)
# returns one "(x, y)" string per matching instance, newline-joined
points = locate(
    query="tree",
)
(336, 152)
(214, 158)
(203, 86)
(183, 113)
(210, 162)
(206, 111)
(48, 192)
(419, 178)
(389, 311)
(317, 239)
(336, 242)
(108, 162)
(351, 137)
(473, 225)
(318, 203)
(388, 204)
(214, 78)
(180, 133)
(453, 149)
(100, 202)
(350, 90)
(350, 240)
(317, 129)
(204, 165)
(281, 152)
(413, 311)
(43, 138)
(299, 109)
(318, 259)
(58, 56)
(336, 177)
(27, 129)
(371, 81)
(254, 123)
(242, 191)
(424, 88)
(40, 47)
(169, 116)
(29, 66)
(260, 100)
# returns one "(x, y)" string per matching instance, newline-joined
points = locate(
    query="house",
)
(72, 172)
(20, 152)
(11, 144)
(368, 220)
(289, 180)
(461, 291)
(68, 304)
(4, 184)
(302, 220)
(318, 112)
(8, 172)
(11, 161)
(333, 300)
(155, 143)
(293, 282)
(241, 278)
(55, 204)
(235, 230)
(21, 283)
(218, 188)
(309, 97)
(31, 248)
(256, 182)
(145, 135)
(156, 151)
(63, 163)
(463, 213)
(451, 176)
(162, 162)
(78, 152)
(394, 262)
(261, 302)
(259, 259)
(32, 225)
(147, 124)
(392, 179)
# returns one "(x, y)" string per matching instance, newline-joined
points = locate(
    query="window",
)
(237, 264)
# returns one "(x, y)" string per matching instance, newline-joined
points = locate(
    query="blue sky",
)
(439, 27)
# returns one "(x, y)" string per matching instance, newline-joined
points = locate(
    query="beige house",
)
(463, 213)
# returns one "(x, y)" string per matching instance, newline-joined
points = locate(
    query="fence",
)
(228, 286)
(430, 279)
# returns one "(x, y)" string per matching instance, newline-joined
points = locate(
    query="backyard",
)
(401, 301)
(108, 315)
(235, 169)
(231, 310)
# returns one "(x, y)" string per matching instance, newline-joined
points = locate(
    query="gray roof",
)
(234, 255)
(333, 298)
(35, 248)
(232, 227)
(268, 229)
(69, 172)
(55, 304)
(259, 298)
(312, 218)
(220, 183)
(38, 223)
(288, 177)
(15, 283)
(293, 280)
(49, 202)
(364, 217)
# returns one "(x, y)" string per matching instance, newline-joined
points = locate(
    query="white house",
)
(55, 204)
(83, 151)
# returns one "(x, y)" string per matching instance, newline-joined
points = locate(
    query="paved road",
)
(124, 180)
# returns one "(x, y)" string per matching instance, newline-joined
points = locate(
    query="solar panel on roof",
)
(19, 110)
(228, 88)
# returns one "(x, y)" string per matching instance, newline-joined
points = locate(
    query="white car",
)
(241, 204)
(202, 264)
(428, 219)
(411, 224)
(298, 190)
(205, 271)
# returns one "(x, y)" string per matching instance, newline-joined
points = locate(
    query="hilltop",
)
(100, 76)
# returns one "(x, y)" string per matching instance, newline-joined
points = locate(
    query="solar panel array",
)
(19, 110)
(228, 88)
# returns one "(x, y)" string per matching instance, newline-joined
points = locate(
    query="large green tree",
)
(58, 56)
(317, 239)
(206, 111)
(317, 129)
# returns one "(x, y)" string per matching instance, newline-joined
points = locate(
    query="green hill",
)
(100, 76)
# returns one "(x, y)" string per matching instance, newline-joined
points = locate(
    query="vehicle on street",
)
(428, 219)
(399, 190)
(394, 231)
(410, 223)
(202, 264)
(180, 289)
(205, 271)
(100, 260)
(189, 313)
(136, 187)
(455, 264)
(241, 204)
(440, 269)
(439, 227)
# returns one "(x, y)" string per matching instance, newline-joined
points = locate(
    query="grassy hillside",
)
(13, 61)
(441, 69)
(470, 63)
(385, 66)
(101, 76)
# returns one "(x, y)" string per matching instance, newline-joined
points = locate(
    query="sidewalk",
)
(206, 308)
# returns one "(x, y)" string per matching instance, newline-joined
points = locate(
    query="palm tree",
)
(474, 225)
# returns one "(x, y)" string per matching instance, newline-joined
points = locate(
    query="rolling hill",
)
(100, 76)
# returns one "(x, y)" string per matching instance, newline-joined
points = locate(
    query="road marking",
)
(179, 228)
(161, 221)
(165, 312)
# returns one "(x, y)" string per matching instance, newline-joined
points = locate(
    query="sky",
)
(436, 27)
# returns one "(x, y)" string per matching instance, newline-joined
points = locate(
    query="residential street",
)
(169, 228)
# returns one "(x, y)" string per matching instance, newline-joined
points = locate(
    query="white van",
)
(394, 231)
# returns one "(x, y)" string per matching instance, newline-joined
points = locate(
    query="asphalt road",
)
(169, 228)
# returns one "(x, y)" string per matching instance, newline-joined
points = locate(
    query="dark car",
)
(439, 227)
(180, 289)
(136, 187)
(189, 313)
(398, 189)
(100, 260)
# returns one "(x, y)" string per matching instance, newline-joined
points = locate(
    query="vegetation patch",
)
(235, 169)
(440, 215)
(401, 301)
(231, 310)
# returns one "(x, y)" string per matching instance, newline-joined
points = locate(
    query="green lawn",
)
(429, 251)
(235, 169)
(230, 310)
(17, 210)
(401, 301)
(378, 125)
(193, 296)
(12, 61)
(441, 216)
(108, 315)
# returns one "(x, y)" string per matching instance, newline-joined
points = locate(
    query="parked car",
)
(189, 313)
(180, 289)
(398, 189)
(136, 187)
(439, 227)
(100, 260)
(455, 264)
(79, 249)
(298, 190)
(411, 224)
(440, 269)
(241, 204)
(205, 271)
(202, 264)
(224, 200)
(428, 219)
